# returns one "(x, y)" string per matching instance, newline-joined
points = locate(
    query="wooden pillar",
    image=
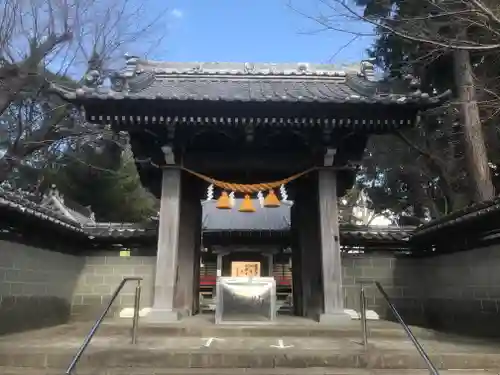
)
(168, 244)
(307, 283)
(187, 283)
(197, 261)
(219, 264)
(333, 298)
(296, 256)
(270, 264)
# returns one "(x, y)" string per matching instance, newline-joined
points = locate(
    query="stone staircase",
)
(209, 349)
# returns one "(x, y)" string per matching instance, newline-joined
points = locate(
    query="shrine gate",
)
(277, 132)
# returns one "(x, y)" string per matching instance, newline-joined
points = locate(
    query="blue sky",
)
(256, 31)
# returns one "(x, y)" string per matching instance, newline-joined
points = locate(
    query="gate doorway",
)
(246, 245)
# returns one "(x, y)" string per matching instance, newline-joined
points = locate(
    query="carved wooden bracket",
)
(169, 154)
(249, 133)
(329, 157)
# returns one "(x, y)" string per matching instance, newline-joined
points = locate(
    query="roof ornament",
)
(198, 69)
(93, 77)
(53, 192)
(249, 68)
(303, 68)
(118, 82)
(413, 82)
(131, 63)
(273, 69)
(368, 70)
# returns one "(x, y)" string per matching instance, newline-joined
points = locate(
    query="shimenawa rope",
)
(248, 188)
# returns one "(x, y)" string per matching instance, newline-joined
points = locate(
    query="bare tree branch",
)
(46, 40)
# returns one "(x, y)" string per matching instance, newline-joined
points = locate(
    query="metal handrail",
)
(432, 368)
(135, 320)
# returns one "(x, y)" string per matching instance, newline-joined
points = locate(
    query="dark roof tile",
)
(465, 216)
(245, 82)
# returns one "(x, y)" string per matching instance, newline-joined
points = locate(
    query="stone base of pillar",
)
(162, 316)
(335, 318)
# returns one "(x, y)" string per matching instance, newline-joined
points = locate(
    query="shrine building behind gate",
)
(236, 126)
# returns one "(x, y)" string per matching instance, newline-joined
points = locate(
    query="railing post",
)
(135, 319)
(362, 317)
(432, 369)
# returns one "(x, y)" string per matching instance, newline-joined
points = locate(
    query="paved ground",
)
(309, 371)
(198, 333)
(288, 344)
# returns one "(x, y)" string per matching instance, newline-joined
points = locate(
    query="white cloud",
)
(177, 13)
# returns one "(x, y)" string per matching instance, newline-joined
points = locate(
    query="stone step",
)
(225, 371)
(126, 358)
(350, 330)
(55, 347)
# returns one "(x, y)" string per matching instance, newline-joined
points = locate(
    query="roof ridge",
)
(246, 68)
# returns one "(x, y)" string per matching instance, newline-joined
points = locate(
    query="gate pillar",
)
(177, 258)
(331, 260)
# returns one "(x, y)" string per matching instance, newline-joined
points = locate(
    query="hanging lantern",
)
(223, 203)
(246, 205)
(271, 201)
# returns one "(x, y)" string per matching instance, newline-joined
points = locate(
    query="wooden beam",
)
(225, 162)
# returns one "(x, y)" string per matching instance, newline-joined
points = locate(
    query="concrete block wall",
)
(41, 288)
(36, 286)
(463, 291)
(100, 276)
(401, 278)
(457, 292)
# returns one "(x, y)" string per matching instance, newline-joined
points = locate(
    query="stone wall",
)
(401, 277)
(463, 291)
(40, 287)
(457, 292)
(100, 276)
(36, 286)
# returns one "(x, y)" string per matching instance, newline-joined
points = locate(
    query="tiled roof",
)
(483, 212)
(53, 200)
(27, 204)
(214, 220)
(244, 82)
(278, 219)
(369, 234)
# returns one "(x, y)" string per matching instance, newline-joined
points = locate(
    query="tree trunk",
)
(5, 169)
(476, 156)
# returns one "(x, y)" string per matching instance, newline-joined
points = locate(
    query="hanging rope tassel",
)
(246, 205)
(224, 203)
(271, 200)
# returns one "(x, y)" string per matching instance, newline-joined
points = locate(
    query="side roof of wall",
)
(51, 210)
(477, 222)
